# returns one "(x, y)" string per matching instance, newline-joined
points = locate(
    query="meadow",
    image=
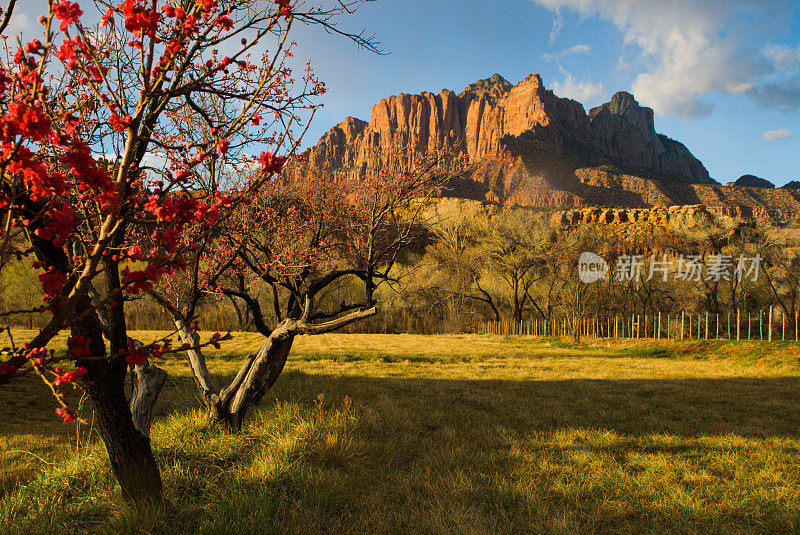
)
(441, 434)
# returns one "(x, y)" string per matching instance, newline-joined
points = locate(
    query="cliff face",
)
(492, 116)
(627, 136)
(532, 148)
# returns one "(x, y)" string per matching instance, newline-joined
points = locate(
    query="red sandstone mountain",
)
(532, 148)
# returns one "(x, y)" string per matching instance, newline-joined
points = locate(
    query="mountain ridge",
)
(528, 146)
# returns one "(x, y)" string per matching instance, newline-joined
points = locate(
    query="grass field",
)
(443, 434)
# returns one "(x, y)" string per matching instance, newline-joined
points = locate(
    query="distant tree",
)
(513, 245)
(780, 268)
(455, 261)
(300, 238)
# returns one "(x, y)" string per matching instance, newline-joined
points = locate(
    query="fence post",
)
(769, 324)
(783, 327)
(749, 325)
(717, 325)
(683, 315)
(659, 325)
(761, 324)
(738, 324)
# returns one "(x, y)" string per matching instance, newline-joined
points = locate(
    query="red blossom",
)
(206, 6)
(69, 377)
(52, 283)
(138, 19)
(119, 123)
(284, 9)
(224, 22)
(66, 52)
(271, 164)
(68, 13)
(189, 25)
(66, 414)
(107, 17)
(139, 355)
(7, 369)
(34, 47)
(31, 123)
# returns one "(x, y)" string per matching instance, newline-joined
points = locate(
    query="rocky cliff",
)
(529, 147)
(752, 181)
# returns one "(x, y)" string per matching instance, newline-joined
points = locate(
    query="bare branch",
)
(7, 15)
(320, 328)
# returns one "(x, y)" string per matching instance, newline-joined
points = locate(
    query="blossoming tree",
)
(300, 236)
(99, 183)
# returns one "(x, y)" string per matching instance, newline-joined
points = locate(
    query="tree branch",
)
(255, 308)
(7, 15)
(320, 328)
(196, 359)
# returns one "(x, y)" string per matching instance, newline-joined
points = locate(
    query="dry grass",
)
(446, 434)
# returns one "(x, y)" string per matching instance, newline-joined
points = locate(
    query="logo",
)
(591, 268)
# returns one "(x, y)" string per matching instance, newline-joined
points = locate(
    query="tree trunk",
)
(128, 450)
(253, 380)
(576, 328)
(148, 380)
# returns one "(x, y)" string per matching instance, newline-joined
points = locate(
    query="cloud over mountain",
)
(688, 49)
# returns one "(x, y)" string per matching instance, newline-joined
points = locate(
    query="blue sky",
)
(722, 75)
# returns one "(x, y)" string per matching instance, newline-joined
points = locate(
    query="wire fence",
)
(770, 324)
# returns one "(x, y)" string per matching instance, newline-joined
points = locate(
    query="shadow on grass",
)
(573, 456)
(682, 455)
(749, 407)
(502, 456)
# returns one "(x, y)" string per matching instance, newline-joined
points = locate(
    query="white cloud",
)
(577, 49)
(691, 48)
(782, 56)
(558, 23)
(774, 135)
(586, 93)
(19, 22)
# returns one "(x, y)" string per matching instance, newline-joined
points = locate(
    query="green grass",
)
(443, 434)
